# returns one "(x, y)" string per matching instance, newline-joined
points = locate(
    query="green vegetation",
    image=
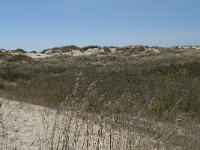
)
(2, 85)
(63, 49)
(19, 57)
(153, 93)
(19, 50)
(162, 85)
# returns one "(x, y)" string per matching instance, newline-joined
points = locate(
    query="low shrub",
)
(170, 105)
(133, 101)
(178, 74)
(3, 55)
(2, 85)
(90, 47)
(13, 76)
(19, 57)
(33, 52)
(19, 50)
(107, 49)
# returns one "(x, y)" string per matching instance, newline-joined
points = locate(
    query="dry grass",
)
(134, 89)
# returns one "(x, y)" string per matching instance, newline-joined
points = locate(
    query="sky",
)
(41, 24)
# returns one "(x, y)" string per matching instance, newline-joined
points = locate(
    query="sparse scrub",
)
(4, 55)
(117, 88)
(2, 84)
(63, 49)
(166, 105)
(89, 47)
(107, 49)
(33, 52)
(13, 75)
(19, 50)
(19, 57)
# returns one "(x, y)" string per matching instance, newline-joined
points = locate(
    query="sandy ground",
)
(37, 55)
(74, 53)
(80, 53)
(50, 53)
(24, 126)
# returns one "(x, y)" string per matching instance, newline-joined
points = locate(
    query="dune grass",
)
(155, 94)
(156, 84)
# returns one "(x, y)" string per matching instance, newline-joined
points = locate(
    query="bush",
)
(107, 49)
(13, 76)
(33, 52)
(133, 101)
(4, 55)
(59, 94)
(90, 47)
(19, 50)
(63, 49)
(2, 85)
(178, 74)
(20, 57)
(69, 48)
(171, 105)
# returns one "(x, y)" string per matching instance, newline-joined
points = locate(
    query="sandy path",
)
(24, 126)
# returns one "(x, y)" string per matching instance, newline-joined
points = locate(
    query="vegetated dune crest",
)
(89, 50)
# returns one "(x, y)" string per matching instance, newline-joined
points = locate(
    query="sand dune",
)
(25, 126)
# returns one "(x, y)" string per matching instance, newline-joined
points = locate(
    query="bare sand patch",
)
(25, 126)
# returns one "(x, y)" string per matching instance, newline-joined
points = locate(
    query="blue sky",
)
(40, 24)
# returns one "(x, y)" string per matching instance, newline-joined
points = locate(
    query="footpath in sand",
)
(25, 126)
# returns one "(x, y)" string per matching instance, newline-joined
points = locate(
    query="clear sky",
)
(40, 24)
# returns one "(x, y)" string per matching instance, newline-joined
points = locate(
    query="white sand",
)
(73, 53)
(37, 55)
(30, 127)
(155, 50)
